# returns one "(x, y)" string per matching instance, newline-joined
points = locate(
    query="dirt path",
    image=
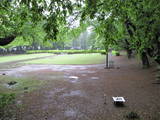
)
(78, 92)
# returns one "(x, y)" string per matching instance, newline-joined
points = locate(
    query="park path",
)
(84, 92)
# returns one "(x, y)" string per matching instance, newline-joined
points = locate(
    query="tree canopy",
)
(14, 14)
(132, 24)
(136, 23)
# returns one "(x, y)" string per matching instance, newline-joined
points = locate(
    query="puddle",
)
(70, 113)
(29, 68)
(19, 102)
(90, 71)
(17, 75)
(50, 94)
(73, 77)
(55, 77)
(74, 81)
(84, 75)
(73, 93)
(94, 78)
(58, 89)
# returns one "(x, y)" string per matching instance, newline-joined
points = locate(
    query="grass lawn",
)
(12, 58)
(22, 82)
(94, 58)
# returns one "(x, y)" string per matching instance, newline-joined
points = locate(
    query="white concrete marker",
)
(118, 99)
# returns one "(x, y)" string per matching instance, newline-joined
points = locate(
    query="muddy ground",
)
(84, 92)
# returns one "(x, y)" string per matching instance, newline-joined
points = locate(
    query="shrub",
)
(115, 53)
(65, 51)
(103, 53)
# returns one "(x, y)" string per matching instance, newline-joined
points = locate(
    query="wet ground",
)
(84, 92)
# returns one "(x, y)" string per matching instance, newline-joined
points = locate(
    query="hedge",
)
(64, 51)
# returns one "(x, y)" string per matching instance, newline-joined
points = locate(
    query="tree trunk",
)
(157, 61)
(158, 52)
(128, 49)
(129, 53)
(131, 28)
(107, 65)
(151, 53)
(145, 61)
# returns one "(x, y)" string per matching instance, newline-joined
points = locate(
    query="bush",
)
(115, 53)
(65, 51)
(103, 53)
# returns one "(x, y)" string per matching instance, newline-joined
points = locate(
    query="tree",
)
(132, 22)
(139, 20)
(15, 13)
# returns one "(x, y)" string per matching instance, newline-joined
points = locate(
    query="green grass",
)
(22, 82)
(71, 59)
(13, 58)
(8, 104)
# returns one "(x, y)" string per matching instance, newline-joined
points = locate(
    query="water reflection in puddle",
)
(84, 75)
(17, 75)
(90, 71)
(94, 78)
(74, 81)
(56, 77)
(70, 113)
(19, 102)
(56, 90)
(28, 68)
(73, 93)
(86, 71)
(73, 77)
